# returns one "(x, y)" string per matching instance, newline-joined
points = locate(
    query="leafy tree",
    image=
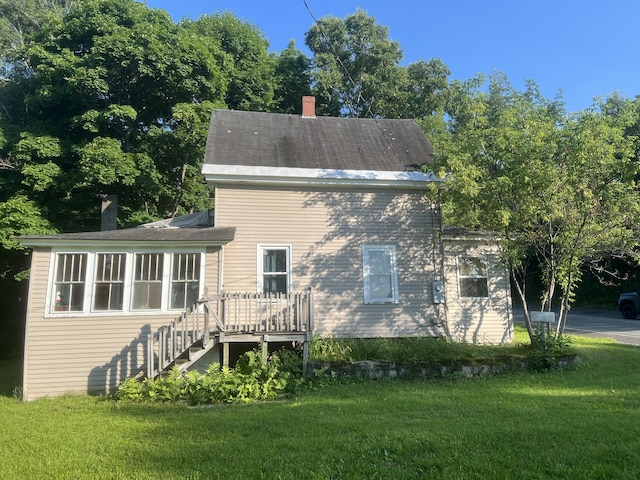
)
(18, 216)
(248, 66)
(355, 65)
(356, 73)
(596, 199)
(293, 79)
(19, 18)
(94, 89)
(422, 92)
(557, 189)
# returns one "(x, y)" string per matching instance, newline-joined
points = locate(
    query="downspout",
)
(221, 270)
(437, 250)
(442, 307)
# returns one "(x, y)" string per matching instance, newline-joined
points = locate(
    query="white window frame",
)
(150, 278)
(261, 247)
(480, 276)
(369, 298)
(90, 281)
(187, 275)
(55, 297)
(94, 282)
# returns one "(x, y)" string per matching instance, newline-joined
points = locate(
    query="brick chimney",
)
(309, 106)
(109, 212)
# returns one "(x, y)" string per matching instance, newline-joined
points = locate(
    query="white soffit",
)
(221, 174)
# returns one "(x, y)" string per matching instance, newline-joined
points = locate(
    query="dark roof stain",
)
(291, 141)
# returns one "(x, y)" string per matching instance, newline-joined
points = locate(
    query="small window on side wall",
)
(380, 274)
(274, 268)
(472, 277)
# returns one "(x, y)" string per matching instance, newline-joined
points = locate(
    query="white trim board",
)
(221, 174)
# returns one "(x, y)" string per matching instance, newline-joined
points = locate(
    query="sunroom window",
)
(70, 282)
(105, 282)
(109, 285)
(147, 282)
(185, 280)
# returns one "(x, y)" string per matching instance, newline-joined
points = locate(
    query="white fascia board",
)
(122, 244)
(225, 174)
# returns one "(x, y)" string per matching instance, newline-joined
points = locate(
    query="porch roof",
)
(207, 236)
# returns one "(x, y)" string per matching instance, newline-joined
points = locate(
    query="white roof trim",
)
(125, 244)
(221, 174)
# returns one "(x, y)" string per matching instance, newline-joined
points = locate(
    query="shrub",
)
(254, 378)
(408, 349)
(547, 349)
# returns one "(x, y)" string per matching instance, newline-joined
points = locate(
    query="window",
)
(70, 281)
(274, 268)
(472, 275)
(115, 282)
(147, 282)
(380, 274)
(109, 285)
(185, 280)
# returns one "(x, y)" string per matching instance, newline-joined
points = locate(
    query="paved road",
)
(598, 323)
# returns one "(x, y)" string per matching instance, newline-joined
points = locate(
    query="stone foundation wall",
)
(471, 368)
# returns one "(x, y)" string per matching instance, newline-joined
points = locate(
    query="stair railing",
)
(228, 312)
(172, 340)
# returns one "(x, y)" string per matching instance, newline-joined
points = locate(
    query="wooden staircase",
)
(194, 353)
(228, 318)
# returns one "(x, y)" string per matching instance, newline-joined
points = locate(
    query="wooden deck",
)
(231, 318)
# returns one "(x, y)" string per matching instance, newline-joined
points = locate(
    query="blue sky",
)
(583, 48)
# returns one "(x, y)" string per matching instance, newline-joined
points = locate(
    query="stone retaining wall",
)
(469, 368)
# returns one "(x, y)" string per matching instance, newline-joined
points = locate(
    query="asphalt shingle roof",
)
(292, 141)
(142, 234)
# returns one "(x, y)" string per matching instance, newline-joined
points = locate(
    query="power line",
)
(332, 46)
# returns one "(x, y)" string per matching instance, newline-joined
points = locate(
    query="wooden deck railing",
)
(263, 312)
(232, 313)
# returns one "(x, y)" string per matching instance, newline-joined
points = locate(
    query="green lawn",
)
(580, 424)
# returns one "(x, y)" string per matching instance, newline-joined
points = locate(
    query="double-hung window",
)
(69, 283)
(109, 284)
(274, 268)
(185, 280)
(380, 274)
(472, 277)
(147, 281)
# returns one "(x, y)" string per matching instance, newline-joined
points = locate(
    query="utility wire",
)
(332, 46)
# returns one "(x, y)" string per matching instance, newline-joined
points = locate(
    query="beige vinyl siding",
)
(80, 354)
(212, 270)
(478, 320)
(327, 230)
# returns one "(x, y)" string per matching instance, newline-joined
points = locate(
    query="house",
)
(322, 226)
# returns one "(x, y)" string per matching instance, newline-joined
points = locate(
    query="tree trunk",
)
(520, 282)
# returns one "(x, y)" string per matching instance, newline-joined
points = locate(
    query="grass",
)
(578, 424)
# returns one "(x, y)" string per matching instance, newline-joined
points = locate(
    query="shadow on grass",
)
(10, 376)
(415, 429)
(502, 427)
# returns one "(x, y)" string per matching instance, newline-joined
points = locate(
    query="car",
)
(629, 304)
